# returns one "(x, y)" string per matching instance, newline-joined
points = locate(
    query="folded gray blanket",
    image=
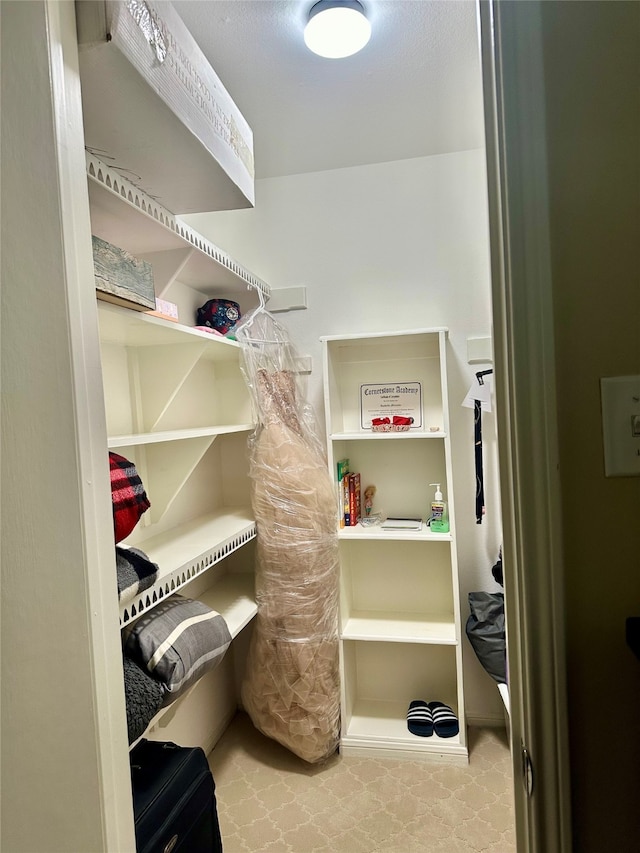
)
(143, 696)
(135, 573)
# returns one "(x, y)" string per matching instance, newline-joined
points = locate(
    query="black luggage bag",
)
(174, 802)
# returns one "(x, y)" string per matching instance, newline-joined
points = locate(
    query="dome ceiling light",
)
(337, 28)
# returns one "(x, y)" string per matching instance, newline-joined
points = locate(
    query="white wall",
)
(391, 246)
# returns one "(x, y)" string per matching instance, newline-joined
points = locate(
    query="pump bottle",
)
(439, 512)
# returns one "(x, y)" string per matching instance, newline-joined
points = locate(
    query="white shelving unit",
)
(158, 109)
(187, 268)
(400, 635)
(195, 400)
(177, 405)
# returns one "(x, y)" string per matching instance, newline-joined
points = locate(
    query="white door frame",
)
(66, 780)
(513, 84)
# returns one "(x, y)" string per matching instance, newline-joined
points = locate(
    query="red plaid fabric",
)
(129, 498)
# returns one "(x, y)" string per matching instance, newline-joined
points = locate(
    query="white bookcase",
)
(400, 636)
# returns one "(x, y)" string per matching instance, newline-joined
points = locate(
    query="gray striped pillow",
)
(177, 642)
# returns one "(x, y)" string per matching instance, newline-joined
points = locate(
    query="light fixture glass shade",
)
(337, 28)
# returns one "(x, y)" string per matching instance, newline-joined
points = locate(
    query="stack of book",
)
(349, 494)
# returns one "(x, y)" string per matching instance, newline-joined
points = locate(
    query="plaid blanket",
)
(129, 498)
(135, 573)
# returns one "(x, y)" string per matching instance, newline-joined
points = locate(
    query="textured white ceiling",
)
(413, 91)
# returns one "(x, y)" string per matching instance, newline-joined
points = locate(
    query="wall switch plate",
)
(303, 365)
(287, 299)
(621, 425)
(479, 351)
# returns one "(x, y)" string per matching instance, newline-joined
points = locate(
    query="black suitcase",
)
(174, 803)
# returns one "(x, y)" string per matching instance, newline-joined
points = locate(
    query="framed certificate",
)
(385, 400)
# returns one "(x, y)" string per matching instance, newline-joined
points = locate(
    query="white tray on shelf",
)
(378, 532)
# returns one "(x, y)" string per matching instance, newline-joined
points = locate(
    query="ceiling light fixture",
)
(337, 28)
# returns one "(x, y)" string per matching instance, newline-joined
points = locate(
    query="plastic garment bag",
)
(291, 686)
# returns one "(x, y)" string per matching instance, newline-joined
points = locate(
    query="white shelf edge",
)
(410, 742)
(115, 184)
(399, 628)
(435, 749)
(185, 552)
(385, 436)
(367, 335)
(115, 319)
(137, 439)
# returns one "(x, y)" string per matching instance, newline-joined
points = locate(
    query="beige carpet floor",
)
(269, 801)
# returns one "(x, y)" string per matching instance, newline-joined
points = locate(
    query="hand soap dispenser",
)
(439, 513)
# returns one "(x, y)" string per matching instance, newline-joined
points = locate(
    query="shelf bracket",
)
(162, 372)
(176, 464)
(167, 266)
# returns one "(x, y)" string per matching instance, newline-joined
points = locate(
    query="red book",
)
(356, 488)
(352, 503)
(354, 499)
(347, 515)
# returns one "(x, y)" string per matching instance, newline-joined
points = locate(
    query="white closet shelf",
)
(129, 328)
(136, 439)
(127, 217)
(185, 552)
(397, 627)
(384, 436)
(365, 337)
(383, 725)
(234, 597)
(422, 535)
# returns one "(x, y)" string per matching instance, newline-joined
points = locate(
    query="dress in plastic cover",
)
(291, 686)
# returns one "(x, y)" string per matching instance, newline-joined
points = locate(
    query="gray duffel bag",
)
(486, 632)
